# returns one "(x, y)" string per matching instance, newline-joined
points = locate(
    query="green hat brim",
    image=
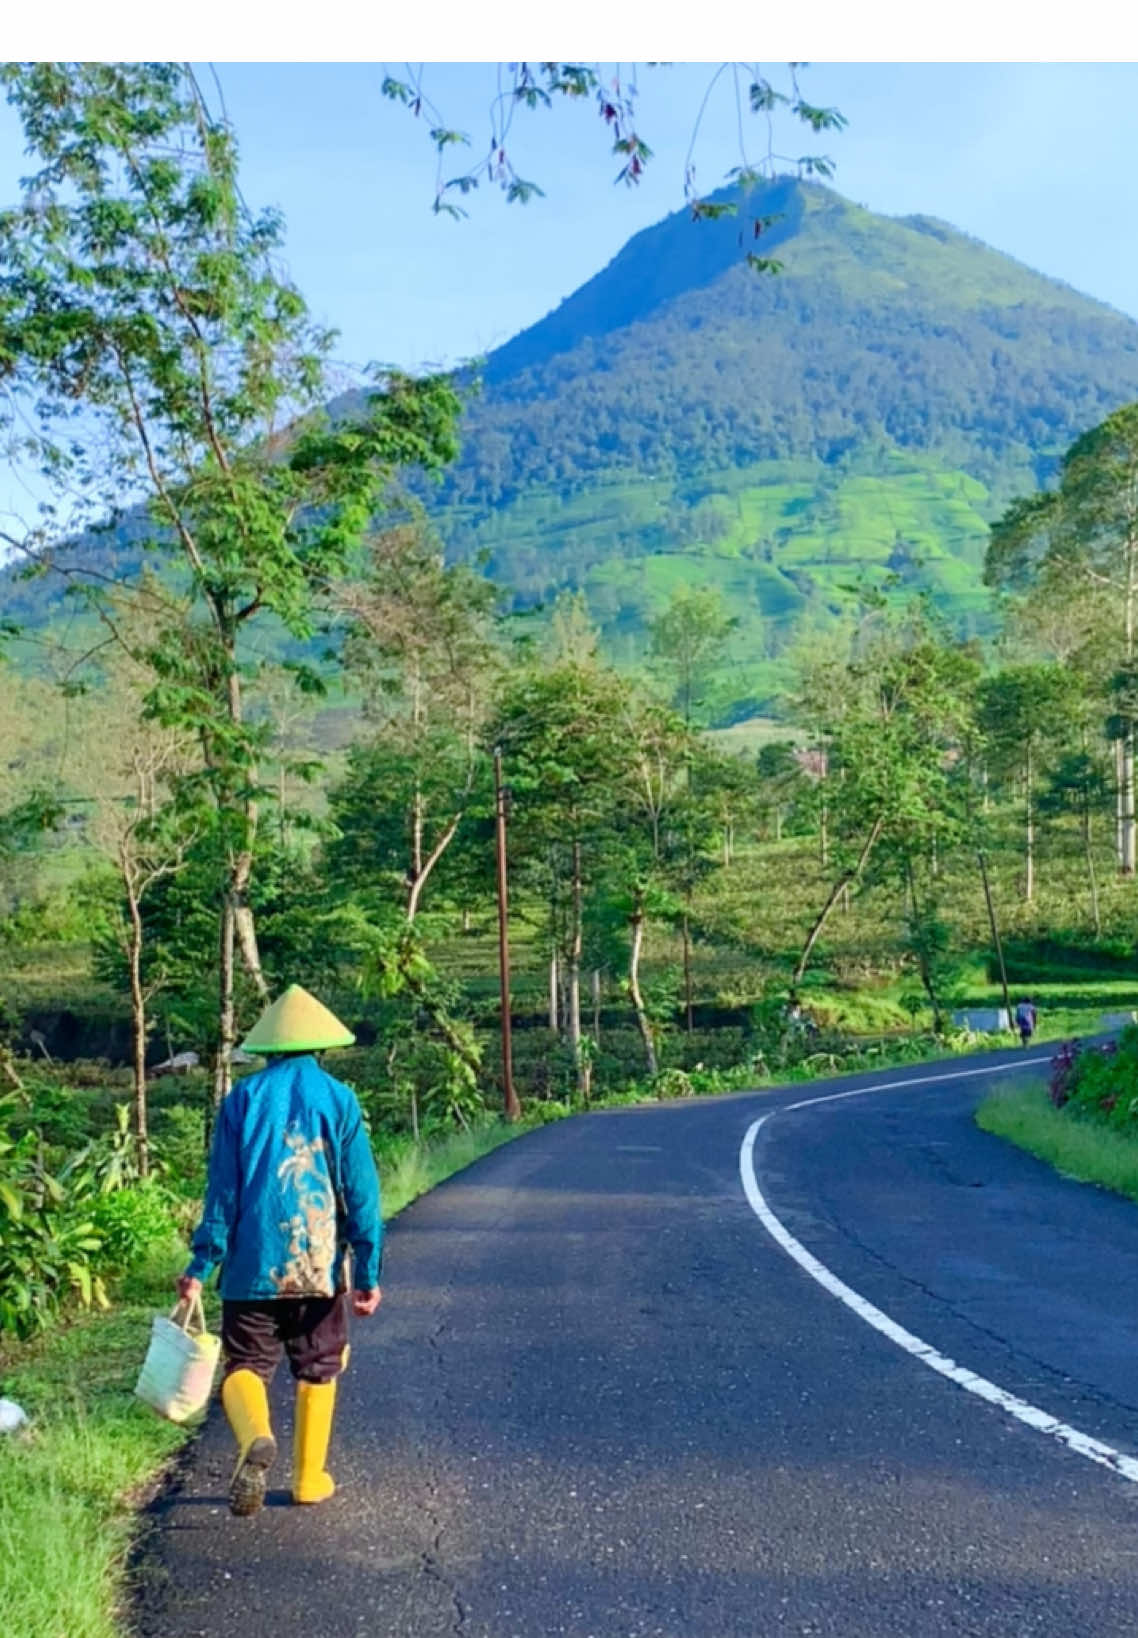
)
(267, 1048)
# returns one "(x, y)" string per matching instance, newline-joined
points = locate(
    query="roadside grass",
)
(409, 1169)
(70, 1486)
(1075, 1145)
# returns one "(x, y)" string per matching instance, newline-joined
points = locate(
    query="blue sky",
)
(1038, 160)
(1035, 159)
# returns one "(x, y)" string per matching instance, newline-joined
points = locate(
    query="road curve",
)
(603, 1402)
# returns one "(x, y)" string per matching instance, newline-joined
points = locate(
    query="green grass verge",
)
(70, 1488)
(1076, 1146)
(409, 1169)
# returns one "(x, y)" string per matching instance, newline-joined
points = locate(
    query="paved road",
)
(601, 1402)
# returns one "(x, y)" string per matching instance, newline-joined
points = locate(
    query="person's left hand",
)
(187, 1287)
(366, 1302)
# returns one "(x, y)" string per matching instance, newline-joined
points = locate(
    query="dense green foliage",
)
(686, 911)
(1100, 1081)
(672, 361)
(860, 416)
(692, 467)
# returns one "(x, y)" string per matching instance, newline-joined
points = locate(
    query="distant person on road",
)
(1025, 1019)
(292, 1187)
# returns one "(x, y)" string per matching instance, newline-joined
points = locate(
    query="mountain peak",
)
(817, 234)
(668, 259)
(682, 419)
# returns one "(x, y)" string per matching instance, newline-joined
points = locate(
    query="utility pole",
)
(995, 933)
(513, 1108)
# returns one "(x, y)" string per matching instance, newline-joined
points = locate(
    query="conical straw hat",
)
(296, 1022)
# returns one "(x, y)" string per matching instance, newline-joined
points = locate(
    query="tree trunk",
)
(1091, 878)
(416, 834)
(226, 1022)
(421, 867)
(1119, 849)
(554, 994)
(824, 837)
(137, 1025)
(995, 927)
(1029, 833)
(1128, 836)
(923, 965)
(688, 1009)
(823, 916)
(246, 934)
(596, 1006)
(241, 864)
(636, 922)
(573, 976)
(1126, 756)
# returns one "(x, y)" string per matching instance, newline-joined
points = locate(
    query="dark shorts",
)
(312, 1331)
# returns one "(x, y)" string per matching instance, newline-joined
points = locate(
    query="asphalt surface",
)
(599, 1401)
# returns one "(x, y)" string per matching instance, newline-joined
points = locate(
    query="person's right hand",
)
(366, 1302)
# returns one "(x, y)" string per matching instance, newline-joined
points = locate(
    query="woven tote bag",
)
(176, 1378)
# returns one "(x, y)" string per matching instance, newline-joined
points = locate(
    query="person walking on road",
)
(292, 1187)
(1025, 1019)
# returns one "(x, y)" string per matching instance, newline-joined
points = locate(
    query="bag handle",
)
(190, 1309)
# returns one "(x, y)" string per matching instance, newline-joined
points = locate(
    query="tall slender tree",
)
(561, 731)
(1024, 711)
(146, 320)
(1080, 541)
(898, 710)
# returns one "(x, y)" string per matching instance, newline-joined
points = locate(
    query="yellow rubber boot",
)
(246, 1402)
(315, 1406)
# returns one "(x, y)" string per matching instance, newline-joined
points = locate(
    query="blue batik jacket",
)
(292, 1184)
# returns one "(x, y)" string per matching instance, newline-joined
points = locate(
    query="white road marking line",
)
(1083, 1444)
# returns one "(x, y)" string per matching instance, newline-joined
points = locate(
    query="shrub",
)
(49, 1243)
(540, 1111)
(1104, 1081)
(181, 1129)
(133, 1222)
(1063, 1067)
(113, 1157)
(673, 1083)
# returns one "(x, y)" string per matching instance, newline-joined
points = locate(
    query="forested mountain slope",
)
(683, 419)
